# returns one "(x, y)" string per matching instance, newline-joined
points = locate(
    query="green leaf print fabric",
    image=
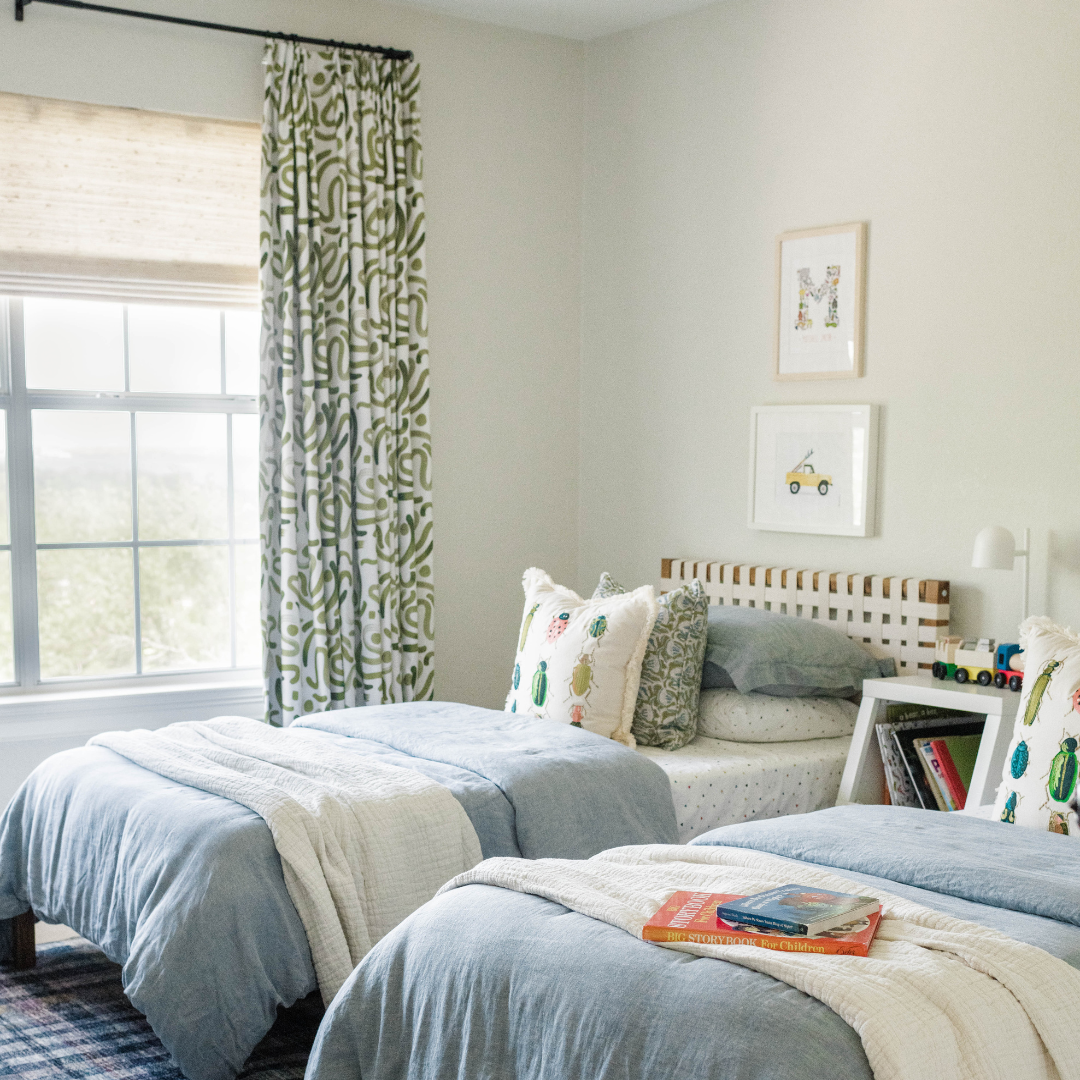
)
(666, 714)
(345, 447)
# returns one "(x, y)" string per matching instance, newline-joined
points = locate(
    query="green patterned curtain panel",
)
(345, 447)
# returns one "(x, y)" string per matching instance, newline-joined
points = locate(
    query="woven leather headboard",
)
(890, 616)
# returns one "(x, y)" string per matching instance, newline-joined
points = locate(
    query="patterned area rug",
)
(69, 1018)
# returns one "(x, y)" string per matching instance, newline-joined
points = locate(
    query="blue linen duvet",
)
(185, 889)
(487, 984)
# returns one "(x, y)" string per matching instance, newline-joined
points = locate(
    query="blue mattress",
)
(185, 889)
(487, 984)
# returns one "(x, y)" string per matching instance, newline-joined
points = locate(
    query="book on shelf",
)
(900, 714)
(691, 917)
(958, 753)
(934, 722)
(935, 774)
(923, 781)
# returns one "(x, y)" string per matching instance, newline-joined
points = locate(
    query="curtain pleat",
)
(345, 447)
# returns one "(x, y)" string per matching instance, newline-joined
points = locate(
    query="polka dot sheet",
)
(716, 783)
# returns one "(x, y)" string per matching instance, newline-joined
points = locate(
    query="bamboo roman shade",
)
(103, 201)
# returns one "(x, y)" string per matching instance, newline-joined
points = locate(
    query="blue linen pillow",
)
(715, 678)
(764, 652)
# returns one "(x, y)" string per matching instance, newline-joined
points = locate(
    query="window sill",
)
(65, 713)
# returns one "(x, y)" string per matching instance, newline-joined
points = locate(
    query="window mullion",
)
(24, 599)
(232, 539)
(134, 505)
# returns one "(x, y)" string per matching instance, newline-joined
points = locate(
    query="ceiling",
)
(580, 19)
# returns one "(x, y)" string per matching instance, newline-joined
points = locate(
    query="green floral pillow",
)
(666, 714)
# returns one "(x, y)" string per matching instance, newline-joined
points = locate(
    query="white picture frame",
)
(830, 453)
(820, 303)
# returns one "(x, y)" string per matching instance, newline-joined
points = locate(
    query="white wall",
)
(502, 145)
(954, 130)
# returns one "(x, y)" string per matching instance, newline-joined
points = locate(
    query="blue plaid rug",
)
(68, 1017)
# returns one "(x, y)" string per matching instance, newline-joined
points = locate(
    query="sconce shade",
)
(995, 549)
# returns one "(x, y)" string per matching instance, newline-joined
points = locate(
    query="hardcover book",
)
(935, 773)
(902, 716)
(905, 739)
(957, 754)
(798, 909)
(689, 916)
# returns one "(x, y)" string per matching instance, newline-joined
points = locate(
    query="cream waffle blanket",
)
(938, 998)
(362, 844)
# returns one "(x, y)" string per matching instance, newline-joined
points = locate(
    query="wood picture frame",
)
(818, 331)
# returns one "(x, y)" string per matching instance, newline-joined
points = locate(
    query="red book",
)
(948, 769)
(691, 916)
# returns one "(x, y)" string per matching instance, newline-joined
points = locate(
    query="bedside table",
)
(864, 777)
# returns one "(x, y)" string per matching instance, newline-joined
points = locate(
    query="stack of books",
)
(929, 755)
(792, 918)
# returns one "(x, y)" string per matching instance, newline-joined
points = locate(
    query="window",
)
(130, 482)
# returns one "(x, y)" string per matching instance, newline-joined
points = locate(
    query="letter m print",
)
(808, 291)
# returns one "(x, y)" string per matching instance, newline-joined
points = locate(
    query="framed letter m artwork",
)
(819, 303)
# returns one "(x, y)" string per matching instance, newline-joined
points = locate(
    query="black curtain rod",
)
(277, 35)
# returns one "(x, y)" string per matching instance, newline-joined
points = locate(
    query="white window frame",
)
(18, 403)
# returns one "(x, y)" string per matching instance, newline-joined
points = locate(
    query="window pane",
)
(248, 631)
(5, 531)
(82, 476)
(182, 466)
(184, 595)
(73, 344)
(242, 352)
(7, 636)
(86, 612)
(174, 349)
(245, 449)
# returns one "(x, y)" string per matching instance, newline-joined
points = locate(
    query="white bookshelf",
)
(864, 776)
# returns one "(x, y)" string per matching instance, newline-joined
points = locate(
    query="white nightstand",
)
(864, 778)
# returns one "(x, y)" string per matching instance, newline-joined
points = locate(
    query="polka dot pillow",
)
(579, 661)
(759, 718)
(1039, 781)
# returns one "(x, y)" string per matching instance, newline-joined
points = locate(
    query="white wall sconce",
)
(995, 549)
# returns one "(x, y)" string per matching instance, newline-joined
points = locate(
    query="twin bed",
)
(718, 782)
(185, 888)
(495, 984)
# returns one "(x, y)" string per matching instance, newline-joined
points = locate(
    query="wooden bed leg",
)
(25, 945)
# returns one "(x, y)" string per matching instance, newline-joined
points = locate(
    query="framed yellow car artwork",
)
(812, 468)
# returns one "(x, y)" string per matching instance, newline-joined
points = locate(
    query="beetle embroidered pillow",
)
(579, 661)
(1039, 781)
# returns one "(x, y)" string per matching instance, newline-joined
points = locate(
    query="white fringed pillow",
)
(1039, 781)
(727, 714)
(579, 661)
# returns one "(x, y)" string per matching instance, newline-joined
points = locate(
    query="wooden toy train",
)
(964, 661)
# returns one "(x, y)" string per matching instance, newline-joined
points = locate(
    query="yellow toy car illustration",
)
(803, 475)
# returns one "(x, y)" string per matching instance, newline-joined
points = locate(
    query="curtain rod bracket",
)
(19, 5)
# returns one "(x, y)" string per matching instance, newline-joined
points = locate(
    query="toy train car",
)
(1002, 667)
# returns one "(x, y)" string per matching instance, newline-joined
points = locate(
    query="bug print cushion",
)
(1039, 781)
(666, 713)
(579, 661)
